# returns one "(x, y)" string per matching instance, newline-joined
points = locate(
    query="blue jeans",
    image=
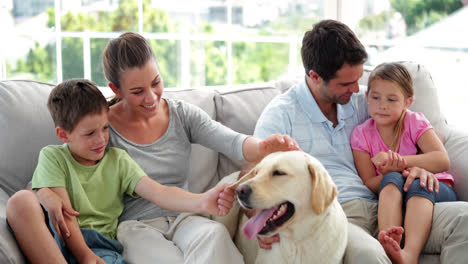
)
(109, 250)
(446, 194)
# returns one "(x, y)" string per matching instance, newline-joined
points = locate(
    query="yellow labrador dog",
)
(297, 199)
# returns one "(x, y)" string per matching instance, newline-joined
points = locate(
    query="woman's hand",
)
(386, 162)
(218, 200)
(425, 177)
(55, 206)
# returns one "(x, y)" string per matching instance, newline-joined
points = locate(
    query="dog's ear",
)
(323, 188)
(244, 178)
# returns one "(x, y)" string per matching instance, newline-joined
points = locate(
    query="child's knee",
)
(392, 180)
(20, 203)
(416, 189)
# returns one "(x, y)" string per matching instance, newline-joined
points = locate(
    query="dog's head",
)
(285, 186)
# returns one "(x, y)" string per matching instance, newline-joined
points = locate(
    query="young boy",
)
(92, 179)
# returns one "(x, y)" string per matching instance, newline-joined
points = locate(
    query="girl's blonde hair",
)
(399, 75)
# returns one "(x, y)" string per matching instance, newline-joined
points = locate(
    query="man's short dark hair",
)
(328, 46)
(72, 100)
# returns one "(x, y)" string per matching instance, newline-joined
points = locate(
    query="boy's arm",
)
(216, 201)
(366, 170)
(75, 243)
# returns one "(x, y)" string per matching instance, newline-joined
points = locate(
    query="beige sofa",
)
(25, 127)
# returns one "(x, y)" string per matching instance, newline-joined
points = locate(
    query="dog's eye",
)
(278, 173)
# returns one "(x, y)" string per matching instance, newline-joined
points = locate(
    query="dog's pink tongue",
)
(256, 223)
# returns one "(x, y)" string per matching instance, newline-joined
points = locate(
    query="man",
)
(320, 113)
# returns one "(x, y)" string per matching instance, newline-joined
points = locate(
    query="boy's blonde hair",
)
(72, 100)
(399, 75)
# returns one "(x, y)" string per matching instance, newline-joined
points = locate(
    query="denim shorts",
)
(109, 250)
(446, 194)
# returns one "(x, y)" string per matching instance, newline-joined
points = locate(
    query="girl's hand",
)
(389, 161)
(55, 206)
(277, 142)
(218, 200)
(380, 158)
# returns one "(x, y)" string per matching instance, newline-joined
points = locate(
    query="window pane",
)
(276, 18)
(29, 50)
(259, 62)
(169, 60)
(208, 63)
(72, 58)
(99, 16)
(183, 16)
(97, 46)
(31, 58)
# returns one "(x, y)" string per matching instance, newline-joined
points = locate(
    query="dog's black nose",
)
(243, 192)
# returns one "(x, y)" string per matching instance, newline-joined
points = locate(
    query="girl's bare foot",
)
(396, 233)
(391, 247)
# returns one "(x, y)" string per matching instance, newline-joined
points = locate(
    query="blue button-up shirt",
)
(297, 114)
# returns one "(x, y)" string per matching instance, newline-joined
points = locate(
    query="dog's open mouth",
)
(268, 220)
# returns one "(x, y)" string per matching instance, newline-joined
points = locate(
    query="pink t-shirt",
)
(366, 138)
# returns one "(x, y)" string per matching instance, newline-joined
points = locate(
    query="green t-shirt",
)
(97, 191)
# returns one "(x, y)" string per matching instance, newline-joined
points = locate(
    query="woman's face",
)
(141, 89)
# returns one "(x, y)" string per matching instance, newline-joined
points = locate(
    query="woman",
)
(158, 133)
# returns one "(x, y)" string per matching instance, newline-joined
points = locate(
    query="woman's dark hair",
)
(328, 46)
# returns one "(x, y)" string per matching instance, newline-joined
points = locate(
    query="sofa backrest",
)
(25, 127)
(203, 161)
(239, 108)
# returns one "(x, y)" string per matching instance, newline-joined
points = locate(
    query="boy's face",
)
(88, 139)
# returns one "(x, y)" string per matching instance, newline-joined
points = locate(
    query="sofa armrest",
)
(9, 250)
(457, 148)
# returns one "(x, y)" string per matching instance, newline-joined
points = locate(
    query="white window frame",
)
(331, 11)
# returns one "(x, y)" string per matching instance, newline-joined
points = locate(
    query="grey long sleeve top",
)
(167, 160)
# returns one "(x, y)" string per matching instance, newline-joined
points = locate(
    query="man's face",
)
(340, 89)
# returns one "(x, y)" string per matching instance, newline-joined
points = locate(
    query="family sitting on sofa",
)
(319, 113)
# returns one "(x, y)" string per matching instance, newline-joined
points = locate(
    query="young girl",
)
(385, 147)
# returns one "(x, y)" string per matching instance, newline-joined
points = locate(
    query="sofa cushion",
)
(203, 161)
(26, 127)
(457, 148)
(239, 108)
